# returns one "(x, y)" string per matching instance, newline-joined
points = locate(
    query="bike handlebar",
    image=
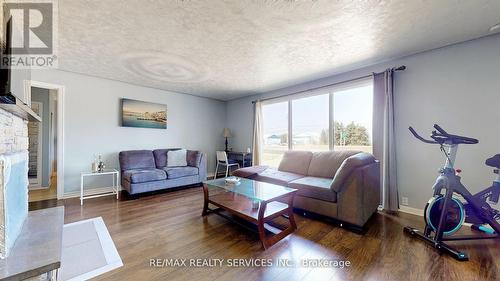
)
(441, 130)
(440, 136)
(415, 134)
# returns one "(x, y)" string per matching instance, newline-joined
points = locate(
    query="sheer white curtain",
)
(257, 134)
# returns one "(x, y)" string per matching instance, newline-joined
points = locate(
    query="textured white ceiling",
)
(229, 49)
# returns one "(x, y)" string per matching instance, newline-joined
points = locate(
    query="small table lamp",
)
(226, 134)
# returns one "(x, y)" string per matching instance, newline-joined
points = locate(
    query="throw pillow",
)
(176, 158)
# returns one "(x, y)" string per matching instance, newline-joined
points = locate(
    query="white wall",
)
(456, 86)
(92, 122)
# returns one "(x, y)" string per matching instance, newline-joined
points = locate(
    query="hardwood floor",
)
(169, 225)
(44, 194)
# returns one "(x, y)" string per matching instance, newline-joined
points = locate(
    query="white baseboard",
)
(76, 193)
(37, 187)
(410, 210)
(419, 212)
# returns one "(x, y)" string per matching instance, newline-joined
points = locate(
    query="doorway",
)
(35, 133)
(44, 142)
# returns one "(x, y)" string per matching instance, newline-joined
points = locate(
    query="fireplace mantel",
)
(19, 109)
(38, 248)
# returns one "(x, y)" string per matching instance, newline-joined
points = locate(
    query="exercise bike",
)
(446, 212)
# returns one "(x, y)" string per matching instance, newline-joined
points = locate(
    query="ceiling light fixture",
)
(496, 27)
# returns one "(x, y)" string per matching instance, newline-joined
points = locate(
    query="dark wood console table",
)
(244, 158)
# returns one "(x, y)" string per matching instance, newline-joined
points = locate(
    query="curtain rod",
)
(398, 68)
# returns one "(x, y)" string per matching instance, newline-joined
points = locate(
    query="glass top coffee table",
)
(255, 202)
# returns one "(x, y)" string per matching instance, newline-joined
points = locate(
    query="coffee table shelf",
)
(239, 200)
(242, 206)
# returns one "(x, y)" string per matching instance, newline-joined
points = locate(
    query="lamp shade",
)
(226, 133)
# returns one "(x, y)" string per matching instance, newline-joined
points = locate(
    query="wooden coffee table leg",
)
(205, 202)
(268, 242)
(260, 225)
(290, 212)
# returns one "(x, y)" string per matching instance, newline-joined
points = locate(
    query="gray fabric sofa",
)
(342, 185)
(146, 170)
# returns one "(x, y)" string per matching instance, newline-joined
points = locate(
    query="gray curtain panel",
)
(258, 135)
(384, 140)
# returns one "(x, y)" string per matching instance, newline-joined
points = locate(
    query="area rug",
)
(87, 250)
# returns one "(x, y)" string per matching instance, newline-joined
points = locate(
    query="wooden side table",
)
(115, 188)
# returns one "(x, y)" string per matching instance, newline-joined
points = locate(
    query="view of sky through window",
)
(352, 115)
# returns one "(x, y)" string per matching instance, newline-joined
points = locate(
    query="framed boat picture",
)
(142, 114)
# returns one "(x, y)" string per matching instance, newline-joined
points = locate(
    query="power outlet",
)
(404, 201)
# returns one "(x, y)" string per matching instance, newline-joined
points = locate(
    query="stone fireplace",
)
(13, 178)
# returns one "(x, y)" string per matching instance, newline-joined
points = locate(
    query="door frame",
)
(52, 135)
(60, 90)
(39, 159)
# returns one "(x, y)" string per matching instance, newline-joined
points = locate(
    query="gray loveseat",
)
(342, 185)
(146, 170)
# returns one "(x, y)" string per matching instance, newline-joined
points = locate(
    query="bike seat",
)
(494, 161)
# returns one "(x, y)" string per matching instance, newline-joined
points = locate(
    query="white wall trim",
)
(410, 210)
(60, 131)
(38, 182)
(420, 212)
(52, 135)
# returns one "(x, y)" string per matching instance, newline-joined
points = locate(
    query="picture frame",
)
(141, 114)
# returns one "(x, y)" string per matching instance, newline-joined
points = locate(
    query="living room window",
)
(275, 128)
(332, 118)
(352, 118)
(310, 125)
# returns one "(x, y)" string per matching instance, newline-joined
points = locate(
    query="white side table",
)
(114, 189)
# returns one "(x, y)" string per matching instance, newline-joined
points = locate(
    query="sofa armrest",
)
(249, 172)
(359, 196)
(349, 165)
(202, 166)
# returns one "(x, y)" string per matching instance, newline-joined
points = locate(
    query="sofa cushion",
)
(314, 187)
(325, 164)
(136, 159)
(295, 162)
(277, 177)
(179, 172)
(144, 175)
(161, 156)
(348, 166)
(193, 158)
